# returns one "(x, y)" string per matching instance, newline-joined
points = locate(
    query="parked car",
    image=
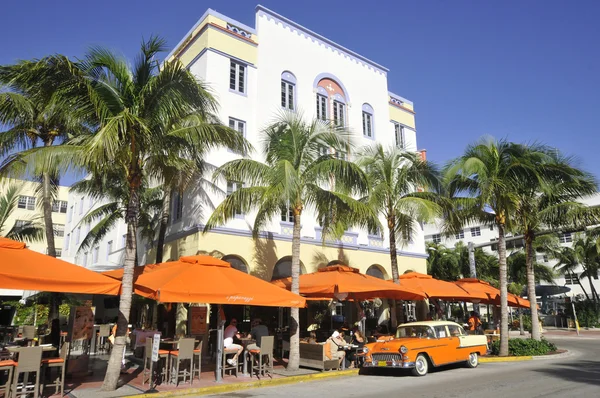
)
(419, 345)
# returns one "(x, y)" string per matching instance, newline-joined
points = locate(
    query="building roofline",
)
(214, 13)
(400, 98)
(321, 38)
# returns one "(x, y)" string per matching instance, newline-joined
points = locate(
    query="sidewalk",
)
(131, 382)
(552, 332)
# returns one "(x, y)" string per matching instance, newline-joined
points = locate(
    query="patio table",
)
(246, 341)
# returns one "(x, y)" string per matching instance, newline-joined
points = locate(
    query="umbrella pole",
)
(220, 325)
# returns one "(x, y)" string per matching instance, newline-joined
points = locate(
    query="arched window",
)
(288, 90)
(376, 271)
(236, 262)
(283, 268)
(367, 121)
(330, 93)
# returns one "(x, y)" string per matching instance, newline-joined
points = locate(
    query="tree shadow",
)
(265, 257)
(321, 260)
(587, 372)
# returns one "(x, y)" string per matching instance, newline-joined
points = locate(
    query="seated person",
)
(228, 336)
(311, 339)
(336, 346)
(257, 332)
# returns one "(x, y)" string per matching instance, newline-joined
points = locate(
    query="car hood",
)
(391, 344)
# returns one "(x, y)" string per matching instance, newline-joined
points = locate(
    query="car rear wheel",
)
(421, 366)
(473, 360)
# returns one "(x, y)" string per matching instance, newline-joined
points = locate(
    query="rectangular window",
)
(177, 203)
(546, 259)
(85, 255)
(124, 240)
(287, 95)
(67, 241)
(26, 202)
(70, 215)
(59, 229)
(437, 238)
(399, 136)
(95, 253)
(233, 186)
(287, 215)
(58, 252)
(367, 122)
(321, 107)
(475, 231)
(565, 238)
(339, 112)
(237, 76)
(22, 224)
(237, 125)
(81, 206)
(341, 155)
(571, 279)
(460, 235)
(59, 206)
(109, 248)
(77, 235)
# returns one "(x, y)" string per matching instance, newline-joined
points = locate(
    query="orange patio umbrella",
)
(476, 286)
(435, 288)
(137, 271)
(205, 279)
(341, 282)
(24, 269)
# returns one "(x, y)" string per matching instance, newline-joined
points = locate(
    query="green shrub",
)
(524, 347)
(526, 323)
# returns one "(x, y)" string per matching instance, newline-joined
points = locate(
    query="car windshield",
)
(421, 332)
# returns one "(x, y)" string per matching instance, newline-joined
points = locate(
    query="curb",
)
(525, 358)
(223, 388)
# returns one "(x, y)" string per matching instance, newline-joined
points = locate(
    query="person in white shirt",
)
(228, 335)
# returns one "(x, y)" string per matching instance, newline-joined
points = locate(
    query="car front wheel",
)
(473, 360)
(421, 366)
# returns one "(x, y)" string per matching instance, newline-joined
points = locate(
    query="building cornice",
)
(262, 11)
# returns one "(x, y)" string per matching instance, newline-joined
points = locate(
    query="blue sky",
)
(522, 70)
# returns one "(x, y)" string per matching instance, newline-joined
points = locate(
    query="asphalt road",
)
(575, 376)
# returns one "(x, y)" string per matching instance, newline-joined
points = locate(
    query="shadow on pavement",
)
(587, 372)
(406, 372)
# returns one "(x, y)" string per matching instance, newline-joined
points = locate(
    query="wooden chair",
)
(184, 353)
(7, 366)
(162, 354)
(60, 364)
(197, 355)
(256, 357)
(30, 359)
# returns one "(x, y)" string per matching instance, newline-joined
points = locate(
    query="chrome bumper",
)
(388, 364)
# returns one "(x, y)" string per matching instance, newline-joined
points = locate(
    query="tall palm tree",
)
(131, 105)
(567, 263)
(394, 175)
(549, 203)
(443, 263)
(586, 251)
(296, 175)
(488, 173)
(30, 231)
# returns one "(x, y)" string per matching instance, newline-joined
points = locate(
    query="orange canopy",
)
(340, 281)
(205, 279)
(435, 288)
(476, 286)
(24, 269)
(137, 271)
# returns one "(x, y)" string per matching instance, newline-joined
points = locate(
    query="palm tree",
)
(567, 262)
(131, 105)
(586, 252)
(298, 165)
(488, 173)
(549, 203)
(30, 231)
(394, 176)
(443, 263)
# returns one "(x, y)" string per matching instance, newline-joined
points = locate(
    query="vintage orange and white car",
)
(420, 345)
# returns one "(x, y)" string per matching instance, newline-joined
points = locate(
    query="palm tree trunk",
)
(164, 222)
(594, 294)
(587, 296)
(294, 360)
(530, 265)
(503, 291)
(394, 264)
(51, 246)
(114, 364)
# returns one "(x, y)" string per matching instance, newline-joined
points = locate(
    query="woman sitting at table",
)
(359, 340)
(337, 347)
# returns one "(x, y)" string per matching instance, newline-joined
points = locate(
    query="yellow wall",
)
(28, 188)
(402, 116)
(212, 37)
(262, 255)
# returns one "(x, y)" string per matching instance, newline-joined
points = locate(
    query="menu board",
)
(82, 323)
(198, 320)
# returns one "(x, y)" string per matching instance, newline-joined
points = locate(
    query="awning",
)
(435, 288)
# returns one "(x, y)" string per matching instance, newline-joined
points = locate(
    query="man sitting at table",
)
(228, 335)
(337, 346)
(257, 332)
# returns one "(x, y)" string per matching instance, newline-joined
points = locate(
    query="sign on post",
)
(155, 345)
